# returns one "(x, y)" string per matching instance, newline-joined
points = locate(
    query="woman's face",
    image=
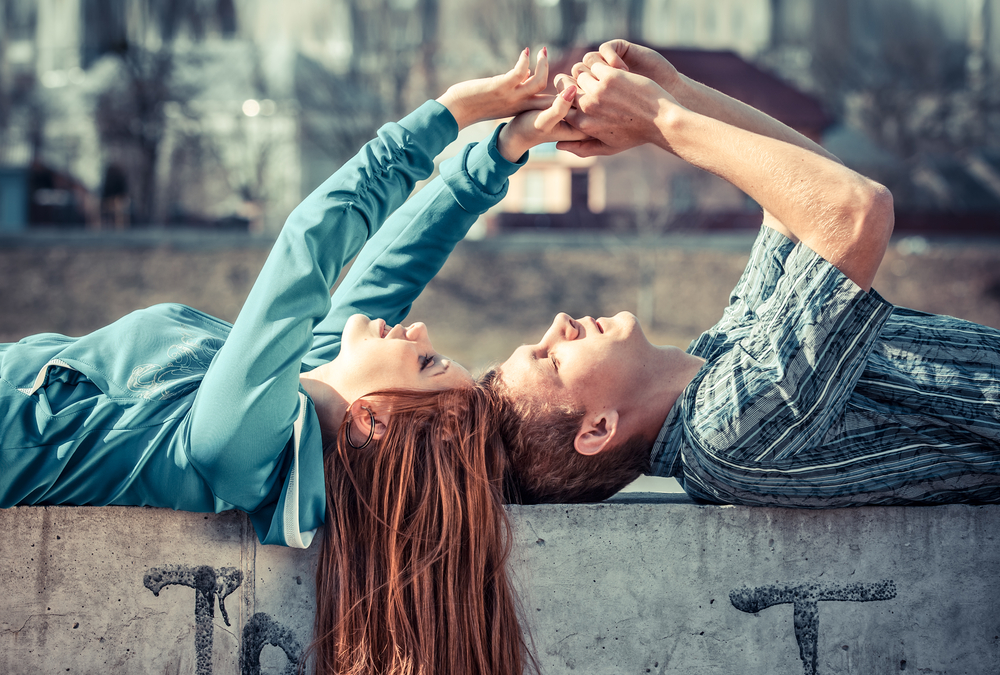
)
(374, 356)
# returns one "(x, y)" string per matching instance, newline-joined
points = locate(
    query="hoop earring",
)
(371, 431)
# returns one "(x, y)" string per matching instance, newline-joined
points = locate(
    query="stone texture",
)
(632, 587)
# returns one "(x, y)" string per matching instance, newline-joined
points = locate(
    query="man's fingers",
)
(611, 53)
(587, 82)
(575, 117)
(586, 148)
(562, 80)
(614, 52)
(601, 71)
(590, 58)
(578, 69)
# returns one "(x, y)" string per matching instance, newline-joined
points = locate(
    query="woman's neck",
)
(331, 407)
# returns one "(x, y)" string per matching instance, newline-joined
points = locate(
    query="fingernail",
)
(527, 51)
(545, 51)
(569, 92)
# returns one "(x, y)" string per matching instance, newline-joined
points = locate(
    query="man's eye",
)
(426, 361)
(555, 364)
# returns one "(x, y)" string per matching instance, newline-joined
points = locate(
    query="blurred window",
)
(534, 192)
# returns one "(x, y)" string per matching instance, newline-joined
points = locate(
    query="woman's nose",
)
(417, 332)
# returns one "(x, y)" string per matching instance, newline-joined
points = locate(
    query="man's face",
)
(591, 364)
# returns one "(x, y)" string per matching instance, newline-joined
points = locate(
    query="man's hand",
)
(617, 109)
(637, 59)
(501, 95)
(532, 127)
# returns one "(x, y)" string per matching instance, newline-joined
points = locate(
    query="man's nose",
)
(562, 328)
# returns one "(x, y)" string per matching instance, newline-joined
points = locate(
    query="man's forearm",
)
(840, 214)
(702, 99)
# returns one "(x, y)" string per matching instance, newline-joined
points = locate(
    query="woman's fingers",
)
(521, 79)
(522, 69)
(541, 76)
(551, 116)
(536, 102)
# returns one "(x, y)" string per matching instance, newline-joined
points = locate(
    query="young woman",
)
(312, 409)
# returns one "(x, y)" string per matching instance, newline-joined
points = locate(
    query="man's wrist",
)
(682, 88)
(672, 123)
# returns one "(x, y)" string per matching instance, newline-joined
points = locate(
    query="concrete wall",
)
(640, 587)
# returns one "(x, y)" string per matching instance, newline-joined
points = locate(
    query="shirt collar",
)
(665, 458)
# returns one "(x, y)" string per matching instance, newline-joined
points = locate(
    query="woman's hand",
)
(532, 127)
(501, 95)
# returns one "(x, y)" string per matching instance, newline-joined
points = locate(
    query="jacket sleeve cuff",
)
(477, 177)
(431, 126)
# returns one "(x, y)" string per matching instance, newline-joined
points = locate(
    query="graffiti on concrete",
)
(804, 599)
(261, 630)
(207, 583)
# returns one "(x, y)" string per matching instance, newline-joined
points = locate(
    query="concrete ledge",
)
(609, 588)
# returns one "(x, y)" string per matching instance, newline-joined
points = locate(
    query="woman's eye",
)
(426, 361)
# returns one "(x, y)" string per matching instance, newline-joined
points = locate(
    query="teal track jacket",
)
(171, 407)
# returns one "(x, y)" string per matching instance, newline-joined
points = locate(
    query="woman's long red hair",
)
(412, 575)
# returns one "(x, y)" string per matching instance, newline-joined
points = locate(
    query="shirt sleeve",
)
(243, 415)
(411, 247)
(757, 283)
(782, 386)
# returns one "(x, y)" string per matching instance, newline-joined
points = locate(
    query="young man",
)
(811, 391)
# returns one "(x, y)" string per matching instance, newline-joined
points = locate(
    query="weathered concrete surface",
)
(611, 588)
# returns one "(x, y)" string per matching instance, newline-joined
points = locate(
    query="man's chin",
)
(629, 324)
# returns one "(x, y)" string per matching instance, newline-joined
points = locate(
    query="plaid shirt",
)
(818, 394)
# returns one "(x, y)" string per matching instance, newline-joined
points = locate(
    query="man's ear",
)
(596, 432)
(361, 421)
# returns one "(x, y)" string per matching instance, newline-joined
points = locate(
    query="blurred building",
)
(907, 91)
(224, 113)
(915, 86)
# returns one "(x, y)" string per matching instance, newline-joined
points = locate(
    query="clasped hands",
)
(611, 101)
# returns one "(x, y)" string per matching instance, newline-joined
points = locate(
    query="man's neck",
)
(675, 370)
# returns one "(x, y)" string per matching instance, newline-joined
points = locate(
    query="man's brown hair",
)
(544, 466)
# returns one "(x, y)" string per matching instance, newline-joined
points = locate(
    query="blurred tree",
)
(393, 65)
(131, 122)
(20, 109)
(507, 26)
(893, 69)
